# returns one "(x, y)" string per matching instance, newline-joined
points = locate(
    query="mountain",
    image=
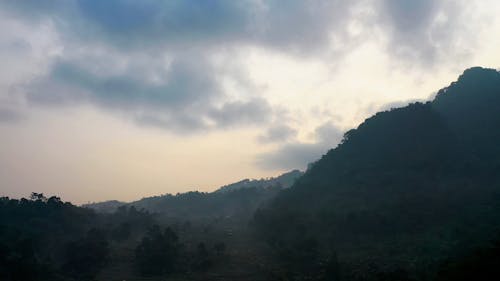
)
(105, 206)
(238, 199)
(285, 181)
(406, 190)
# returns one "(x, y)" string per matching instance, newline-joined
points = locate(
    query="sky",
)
(124, 99)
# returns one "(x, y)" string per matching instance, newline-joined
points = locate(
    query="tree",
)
(86, 256)
(220, 248)
(158, 252)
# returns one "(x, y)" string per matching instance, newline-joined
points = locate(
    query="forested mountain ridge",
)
(284, 180)
(239, 199)
(466, 113)
(408, 188)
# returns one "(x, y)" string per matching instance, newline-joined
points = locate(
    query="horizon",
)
(128, 100)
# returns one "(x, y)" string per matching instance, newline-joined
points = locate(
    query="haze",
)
(125, 99)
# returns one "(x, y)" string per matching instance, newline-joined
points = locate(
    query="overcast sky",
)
(122, 99)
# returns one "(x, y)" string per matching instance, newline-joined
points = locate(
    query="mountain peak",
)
(477, 71)
(476, 85)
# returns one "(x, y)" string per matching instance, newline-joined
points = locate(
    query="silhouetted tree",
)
(220, 248)
(202, 259)
(85, 257)
(158, 252)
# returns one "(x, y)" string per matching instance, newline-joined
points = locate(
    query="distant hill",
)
(239, 199)
(285, 181)
(105, 206)
(409, 187)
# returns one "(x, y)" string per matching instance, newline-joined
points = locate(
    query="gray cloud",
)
(297, 155)
(9, 115)
(397, 104)
(178, 122)
(230, 114)
(328, 133)
(292, 156)
(254, 111)
(420, 30)
(296, 25)
(410, 16)
(277, 133)
(423, 31)
(186, 81)
(188, 94)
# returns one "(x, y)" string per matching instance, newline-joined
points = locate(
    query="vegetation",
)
(239, 199)
(403, 191)
(412, 194)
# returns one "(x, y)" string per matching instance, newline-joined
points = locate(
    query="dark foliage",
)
(480, 264)
(239, 204)
(47, 239)
(238, 200)
(401, 191)
(85, 257)
(34, 234)
(158, 252)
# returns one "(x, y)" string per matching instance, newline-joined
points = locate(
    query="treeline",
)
(48, 239)
(238, 203)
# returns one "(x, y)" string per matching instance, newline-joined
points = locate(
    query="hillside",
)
(285, 180)
(406, 190)
(236, 200)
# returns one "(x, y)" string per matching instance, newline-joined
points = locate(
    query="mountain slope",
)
(285, 181)
(238, 199)
(408, 187)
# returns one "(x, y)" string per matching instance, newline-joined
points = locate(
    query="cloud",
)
(153, 61)
(254, 111)
(298, 155)
(231, 114)
(397, 104)
(277, 133)
(410, 16)
(424, 31)
(149, 23)
(184, 96)
(420, 30)
(176, 122)
(297, 26)
(186, 80)
(9, 115)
